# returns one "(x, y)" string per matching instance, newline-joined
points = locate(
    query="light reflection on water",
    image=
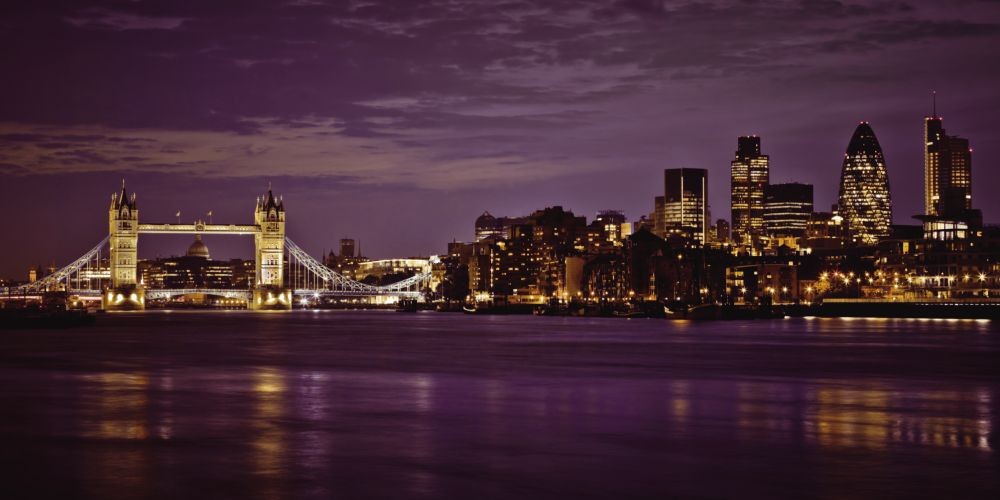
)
(116, 406)
(268, 434)
(360, 409)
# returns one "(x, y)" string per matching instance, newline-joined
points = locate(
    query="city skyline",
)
(421, 133)
(239, 249)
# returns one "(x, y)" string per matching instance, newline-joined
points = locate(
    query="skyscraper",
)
(947, 171)
(865, 203)
(347, 247)
(685, 203)
(750, 173)
(787, 208)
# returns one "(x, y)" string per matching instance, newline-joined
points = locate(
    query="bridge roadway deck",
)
(246, 229)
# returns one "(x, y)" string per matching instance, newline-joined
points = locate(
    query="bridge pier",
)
(124, 298)
(270, 298)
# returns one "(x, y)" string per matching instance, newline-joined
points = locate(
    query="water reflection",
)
(680, 403)
(269, 436)
(849, 417)
(115, 407)
(983, 426)
(312, 446)
(417, 441)
(399, 412)
(872, 417)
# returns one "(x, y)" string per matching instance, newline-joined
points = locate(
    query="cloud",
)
(97, 18)
(207, 66)
(319, 149)
(444, 93)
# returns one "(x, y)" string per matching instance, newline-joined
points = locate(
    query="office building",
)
(750, 172)
(347, 247)
(611, 221)
(787, 208)
(864, 201)
(947, 171)
(685, 203)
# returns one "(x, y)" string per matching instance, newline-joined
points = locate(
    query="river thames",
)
(430, 405)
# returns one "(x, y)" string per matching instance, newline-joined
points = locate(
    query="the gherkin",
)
(865, 203)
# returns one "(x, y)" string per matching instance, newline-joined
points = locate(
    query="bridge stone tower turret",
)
(269, 292)
(123, 229)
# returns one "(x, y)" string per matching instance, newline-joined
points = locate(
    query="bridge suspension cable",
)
(306, 273)
(80, 275)
(88, 273)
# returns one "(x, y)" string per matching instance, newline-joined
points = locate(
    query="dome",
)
(198, 248)
(486, 220)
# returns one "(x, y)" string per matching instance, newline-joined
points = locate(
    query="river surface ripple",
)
(375, 404)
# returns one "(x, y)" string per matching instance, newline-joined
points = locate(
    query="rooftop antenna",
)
(934, 101)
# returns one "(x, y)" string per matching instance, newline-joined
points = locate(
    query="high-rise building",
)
(947, 171)
(750, 173)
(685, 203)
(787, 208)
(347, 247)
(611, 222)
(865, 203)
(948, 212)
(722, 231)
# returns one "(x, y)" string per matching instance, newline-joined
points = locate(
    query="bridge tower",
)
(123, 225)
(269, 292)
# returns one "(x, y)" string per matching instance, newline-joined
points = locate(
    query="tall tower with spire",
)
(123, 226)
(269, 216)
(123, 239)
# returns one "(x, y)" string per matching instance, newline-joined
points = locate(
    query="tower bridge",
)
(274, 253)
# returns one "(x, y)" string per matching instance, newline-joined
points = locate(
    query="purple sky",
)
(398, 122)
